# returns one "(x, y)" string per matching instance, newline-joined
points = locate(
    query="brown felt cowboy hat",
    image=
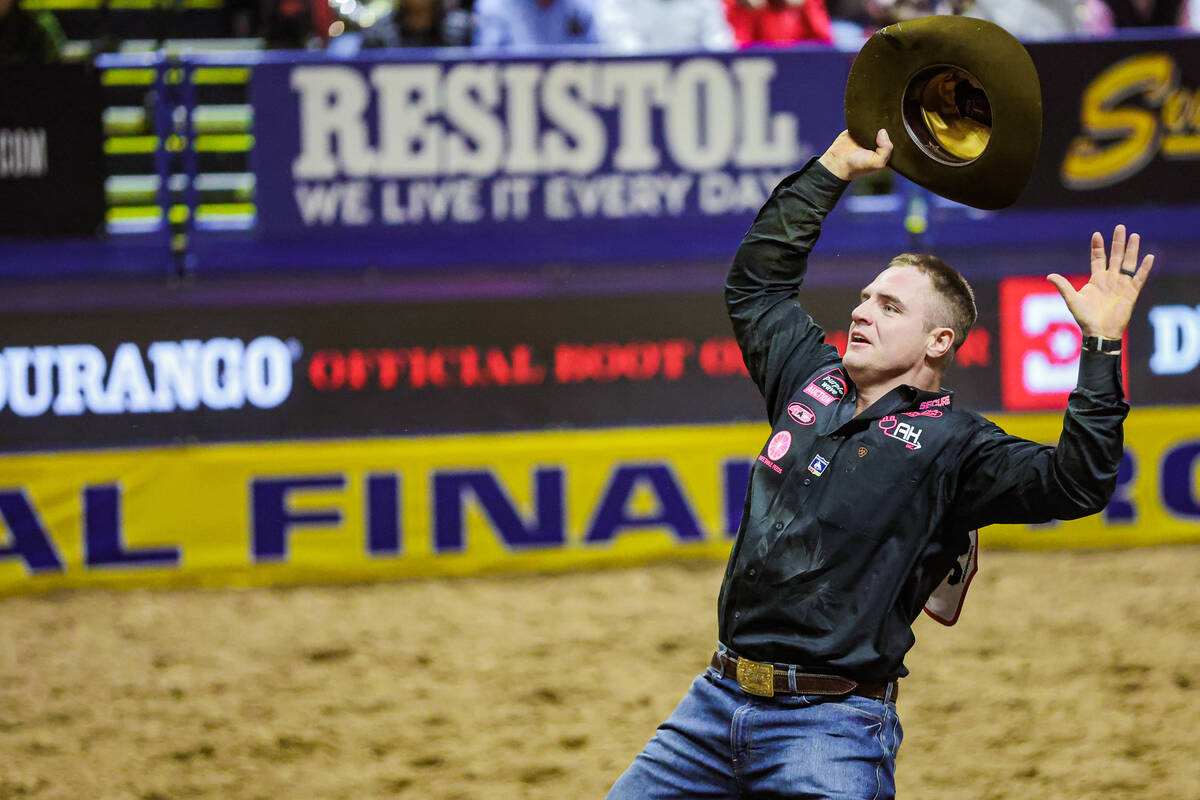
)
(959, 98)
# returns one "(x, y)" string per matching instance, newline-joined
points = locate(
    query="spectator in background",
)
(634, 26)
(29, 36)
(294, 24)
(1025, 19)
(885, 12)
(518, 24)
(418, 23)
(850, 24)
(1045, 19)
(778, 21)
(1149, 13)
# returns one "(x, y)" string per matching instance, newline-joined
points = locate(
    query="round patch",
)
(801, 413)
(778, 446)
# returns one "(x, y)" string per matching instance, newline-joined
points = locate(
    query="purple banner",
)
(493, 160)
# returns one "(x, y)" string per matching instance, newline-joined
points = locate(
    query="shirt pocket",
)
(872, 499)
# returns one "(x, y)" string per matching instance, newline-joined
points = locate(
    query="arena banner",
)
(154, 376)
(1039, 344)
(1121, 125)
(386, 508)
(51, 159)
(608, 158)
(157, 376)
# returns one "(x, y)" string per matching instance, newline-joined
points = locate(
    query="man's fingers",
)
(883, 149)
(1139, 278)
(1064, 288)
(1130, 261)
(1118, 247)
(1098, 258)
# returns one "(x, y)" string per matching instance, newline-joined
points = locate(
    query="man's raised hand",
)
(848, 161)
(1105, 304)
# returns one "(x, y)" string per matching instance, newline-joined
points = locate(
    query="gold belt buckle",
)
(756, 678)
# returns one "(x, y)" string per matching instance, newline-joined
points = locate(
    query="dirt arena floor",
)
(1070, 676)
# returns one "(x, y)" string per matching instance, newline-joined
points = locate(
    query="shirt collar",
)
(902, 398)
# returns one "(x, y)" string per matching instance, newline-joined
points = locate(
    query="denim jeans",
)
(722, 742)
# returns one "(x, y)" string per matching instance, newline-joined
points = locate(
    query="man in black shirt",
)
(863, 500)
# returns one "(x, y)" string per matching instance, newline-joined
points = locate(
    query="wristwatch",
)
(1098, 344)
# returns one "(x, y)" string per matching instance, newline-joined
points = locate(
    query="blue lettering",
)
(383, 514)
(546, 529)
(102, 546)
(673, 512)
(271, 518)
(737, 484)
(1178, 480)
(1121, 507)
(30, 542)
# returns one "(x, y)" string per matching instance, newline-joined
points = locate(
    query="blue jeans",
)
(722, 742)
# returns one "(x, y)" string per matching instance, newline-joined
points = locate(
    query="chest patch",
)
(801, 413)
(827, 388)
(779, 445)
(817, 465)
(904, 432)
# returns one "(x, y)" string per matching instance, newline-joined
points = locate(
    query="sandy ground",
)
(1070, 676)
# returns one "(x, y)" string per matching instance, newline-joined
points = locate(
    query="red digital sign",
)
(1040, 341)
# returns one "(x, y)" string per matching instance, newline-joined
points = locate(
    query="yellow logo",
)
(1120, 140)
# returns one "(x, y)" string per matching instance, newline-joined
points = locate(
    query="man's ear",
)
(941, 342)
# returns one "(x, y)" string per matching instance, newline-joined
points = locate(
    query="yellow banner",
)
(272, 513)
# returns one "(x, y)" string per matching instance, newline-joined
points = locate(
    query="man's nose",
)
(859, 315)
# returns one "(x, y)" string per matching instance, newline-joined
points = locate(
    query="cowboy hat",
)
(961, 101)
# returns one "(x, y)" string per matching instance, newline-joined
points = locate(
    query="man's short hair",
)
(957, 309)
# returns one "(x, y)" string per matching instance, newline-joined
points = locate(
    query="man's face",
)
(889, 330)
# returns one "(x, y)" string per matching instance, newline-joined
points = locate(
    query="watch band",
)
(1098, 344)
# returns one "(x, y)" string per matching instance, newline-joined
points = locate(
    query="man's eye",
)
(890, 307)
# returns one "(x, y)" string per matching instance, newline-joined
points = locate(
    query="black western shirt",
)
(851, 522)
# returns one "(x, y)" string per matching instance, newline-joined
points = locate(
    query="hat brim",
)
(896, 55)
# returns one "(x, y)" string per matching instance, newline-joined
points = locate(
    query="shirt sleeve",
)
(1004, 478)
(779, 340)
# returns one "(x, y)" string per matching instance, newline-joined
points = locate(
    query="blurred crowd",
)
(347, 26)
(643, 25)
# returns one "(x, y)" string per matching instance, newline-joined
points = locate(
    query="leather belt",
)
(768, 680)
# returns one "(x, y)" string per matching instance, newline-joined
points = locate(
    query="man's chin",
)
(855, 366)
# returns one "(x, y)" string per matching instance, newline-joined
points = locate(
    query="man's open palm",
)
(1104, 305)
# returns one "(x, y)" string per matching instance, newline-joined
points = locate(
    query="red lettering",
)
(468, 367)
(327, 370)
(721, 357)
(358, 369)
(438, 374)
(610, 361)
(389, 362)
(674, 354)
(499, 371)
(524, 371)
(976, 350)
(418, 367)
(568, 363)
(600, 361)
(639, 361)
